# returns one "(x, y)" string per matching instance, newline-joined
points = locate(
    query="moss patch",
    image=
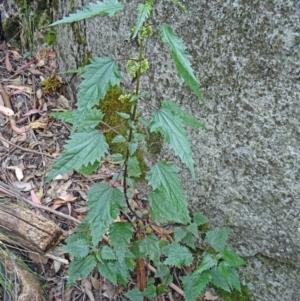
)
(11, 28)
(110, 105)
(235, 295)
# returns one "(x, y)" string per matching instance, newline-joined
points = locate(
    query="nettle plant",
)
(132, 242)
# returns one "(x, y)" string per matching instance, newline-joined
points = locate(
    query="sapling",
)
(134, 239)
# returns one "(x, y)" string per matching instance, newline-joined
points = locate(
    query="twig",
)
(16, 194)
(61, 260)
(26, 149)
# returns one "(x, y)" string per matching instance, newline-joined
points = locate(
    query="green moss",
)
(80, 39)
(235, 295)
(11, 28)
(110, 105)
(50, 37)
(86, 59)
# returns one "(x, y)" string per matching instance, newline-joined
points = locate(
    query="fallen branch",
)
(26, 149)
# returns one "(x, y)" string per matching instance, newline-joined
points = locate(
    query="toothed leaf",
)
(233, 259)
(82, 149)
(167, 200)
(187, 119)
(104, 203)
(143, 12)
(80, 267)
(177, 255)
(100, 75)
(172, 128)
(179, 55)
(194, 285)
(79, 248)
(207, 263)
(217, 238)
(107, 7)
(120, 234)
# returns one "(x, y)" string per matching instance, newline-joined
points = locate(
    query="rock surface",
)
(246, 54)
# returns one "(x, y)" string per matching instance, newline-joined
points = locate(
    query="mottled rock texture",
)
(246, 54)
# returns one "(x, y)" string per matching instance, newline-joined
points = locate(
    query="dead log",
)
(27, 228)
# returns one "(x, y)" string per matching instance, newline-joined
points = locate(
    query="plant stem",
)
(132, 117)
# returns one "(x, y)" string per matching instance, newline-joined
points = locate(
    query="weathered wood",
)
(27, 228)
(24, 285)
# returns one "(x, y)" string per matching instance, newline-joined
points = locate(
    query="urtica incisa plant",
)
(131, 241)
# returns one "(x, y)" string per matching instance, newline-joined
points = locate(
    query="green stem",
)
(132, 117)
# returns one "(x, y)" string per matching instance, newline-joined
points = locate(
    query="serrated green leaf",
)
(179, 233)
(133, 167)
(107, 7)
(232, 258)
(147, 248)
(234, 280)
(82, 148)
(123, 115)
(116, 157)
(167, 200)
(187, 119)
(80, 267)
(135, 295)
(172, 128)
(194, 285)
(200, 219)
(102, 74)
(114, 271)
(217, 238)
(91, 120)
(163, 272)
(137, 137)
(107, 253)
(119, 139)
(206, 263)
(108, 271)
(77, 236)
(225, 270)
(79, 248)
(150, 290)
(177, 255)
(120, 234)
(104, 203)
(132, 147)
(179, 55)
(193, 228)
(218, 280)
(89, 169)
(143, 13)
(162, 289)
(67, 116)
(189, 240)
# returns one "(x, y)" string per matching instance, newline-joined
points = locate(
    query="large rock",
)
(246, 55)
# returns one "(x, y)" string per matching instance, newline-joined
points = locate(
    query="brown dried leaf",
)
(23, 186)
(161, 231)
(96, 283)
(38, 125)
(7, 62)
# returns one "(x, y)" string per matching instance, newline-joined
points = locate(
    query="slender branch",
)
(26, 149)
